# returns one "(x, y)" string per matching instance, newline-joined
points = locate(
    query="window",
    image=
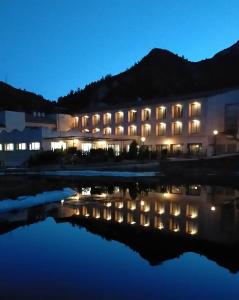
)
(177, 128)
(107, 118)
(145, 205)
(96, 130)
(58, 145)
(177, 111)
(177, 148)
(76, 122)
(194, 148)
(132, 130)
(107, 130)
(191, 211)
(95, 120)
(130, 218)
(191, 228)
(194, 126)
(132, 115)
(146, 113)
(174, 209)
(144, 220)
(161, 113)
(146, 130)
(119, 130)
(86, 147)
(85, 130)
(159, 207)
(119, 216)
(174, 225)
(85, 121)
(35, 146)
(22, 146)
(161, 129)
(158, 223)
(119, 117)
(194, 109)
(9, 147)
(0, 147)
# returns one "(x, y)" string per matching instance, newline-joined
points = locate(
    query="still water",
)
(124, 241)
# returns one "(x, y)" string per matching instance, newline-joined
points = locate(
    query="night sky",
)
(53, 46)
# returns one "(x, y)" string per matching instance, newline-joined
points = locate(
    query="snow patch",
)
(39, 199)
(100, 173)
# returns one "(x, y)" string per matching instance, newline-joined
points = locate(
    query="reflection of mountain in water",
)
(159, 224)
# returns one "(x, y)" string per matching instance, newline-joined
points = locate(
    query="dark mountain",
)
(21, 100)
(159, 74)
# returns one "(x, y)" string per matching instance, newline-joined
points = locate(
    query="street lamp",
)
(143, 139)
(215, 133)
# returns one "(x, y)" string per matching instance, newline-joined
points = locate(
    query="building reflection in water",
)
(205, 212)
(159, 223)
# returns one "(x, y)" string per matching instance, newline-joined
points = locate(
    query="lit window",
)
(119, 204)
(76, 122)
(191, 211)
(132, 130)
(177, 111)
(191, 228)
(86, 147)
(107, 130)
(158, 223)
(95, 120)
(85, 121)
(174, 225)
(159, 208)
(175, 209)
(177, 128)
(194, 109)
(130, 218)
(96, 130)
(144, 206)
(146, 130)
(132, 115)
(119, 117)
(131, 205)
(119, 216)
(119, 130)
(58, 145)
(107, 214)
(194, 126)
(22, 146)
(177, 148)
(146, 113)
(96, 213)
(9, 147)
(107, 118)
(86, 130)
(161, 129)
(35, 146)
(144, 220)
(161, 113)
(0, 147)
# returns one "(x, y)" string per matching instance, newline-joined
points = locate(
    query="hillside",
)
(159, 74)
(21, 100)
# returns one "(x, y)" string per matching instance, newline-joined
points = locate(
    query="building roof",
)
(198, 95)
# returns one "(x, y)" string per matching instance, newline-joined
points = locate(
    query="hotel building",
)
(196, 125)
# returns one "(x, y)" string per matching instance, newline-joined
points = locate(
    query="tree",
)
(133, 150)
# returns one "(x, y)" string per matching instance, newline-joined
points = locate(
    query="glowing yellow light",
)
(213, 208)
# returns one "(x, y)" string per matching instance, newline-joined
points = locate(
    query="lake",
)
(124, 241)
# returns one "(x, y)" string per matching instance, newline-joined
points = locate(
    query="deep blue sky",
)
(53, 46)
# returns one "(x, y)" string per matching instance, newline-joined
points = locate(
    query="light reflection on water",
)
(184, 241)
